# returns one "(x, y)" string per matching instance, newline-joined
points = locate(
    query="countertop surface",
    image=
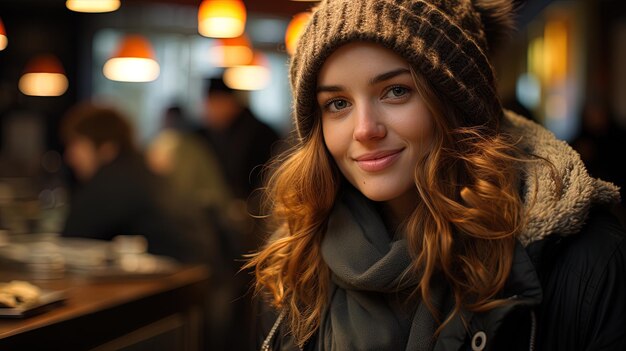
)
(85, 295)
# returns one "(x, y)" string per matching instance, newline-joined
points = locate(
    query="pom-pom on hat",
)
(447, 41)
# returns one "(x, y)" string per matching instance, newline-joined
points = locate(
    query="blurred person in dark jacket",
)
(242, 145)
(117, 194)
(242, 142)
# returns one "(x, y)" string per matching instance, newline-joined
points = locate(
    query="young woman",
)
(414, 213)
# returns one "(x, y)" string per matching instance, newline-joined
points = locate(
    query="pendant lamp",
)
(3, 36)
(294, 30)
(93, 6)
(221, 18)
(253, 76)
(229, 52)
(43, 76)
(134, 61)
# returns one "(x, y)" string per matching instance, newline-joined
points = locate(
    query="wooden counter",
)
(158, 313)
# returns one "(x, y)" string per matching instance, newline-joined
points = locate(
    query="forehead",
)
(359, 59)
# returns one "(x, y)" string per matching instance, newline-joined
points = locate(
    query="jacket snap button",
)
(479, 341)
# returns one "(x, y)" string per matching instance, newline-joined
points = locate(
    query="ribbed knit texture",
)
(444, 40)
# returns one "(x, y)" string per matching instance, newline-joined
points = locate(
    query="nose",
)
(368, 124)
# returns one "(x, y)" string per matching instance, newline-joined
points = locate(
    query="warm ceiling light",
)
(230, 52)
(3, 36)
(93, 6)
(221, 18)
(43, 76)
(294, 30)
(134, 61)
(254, 76)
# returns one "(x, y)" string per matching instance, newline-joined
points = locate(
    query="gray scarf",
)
(369, 285)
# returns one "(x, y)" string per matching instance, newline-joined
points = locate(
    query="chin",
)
(380, 194)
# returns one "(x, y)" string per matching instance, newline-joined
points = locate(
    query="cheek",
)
(423, 133)
(418, 130)
(336, 139)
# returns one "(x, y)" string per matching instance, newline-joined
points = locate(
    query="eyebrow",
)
(379, 78)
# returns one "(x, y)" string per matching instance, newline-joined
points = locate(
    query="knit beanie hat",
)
(447, 41)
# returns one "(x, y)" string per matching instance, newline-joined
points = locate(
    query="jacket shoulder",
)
(584, 303)
(598, 246)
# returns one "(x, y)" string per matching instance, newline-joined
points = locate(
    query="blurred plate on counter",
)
(48, 300)
(131, 266)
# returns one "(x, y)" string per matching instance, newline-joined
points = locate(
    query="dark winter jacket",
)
(567, 286)
(125, 198)
(241, 149)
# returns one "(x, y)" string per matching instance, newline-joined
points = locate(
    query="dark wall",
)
(33, 28)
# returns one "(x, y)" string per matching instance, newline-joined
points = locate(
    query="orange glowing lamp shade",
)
(229, 52)
(93, 6)
(295, 29)
(134, 61)
(3, 37)
(221, 18)
(254, 76)
(43, 76)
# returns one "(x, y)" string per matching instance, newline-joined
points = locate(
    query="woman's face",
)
(375, 124)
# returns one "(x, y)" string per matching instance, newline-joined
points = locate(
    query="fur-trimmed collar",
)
(547, 211)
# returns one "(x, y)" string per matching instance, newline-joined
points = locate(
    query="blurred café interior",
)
(127, 187)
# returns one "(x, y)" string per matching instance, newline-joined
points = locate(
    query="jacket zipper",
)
(533, 327)
(533, 330)
(268, 339)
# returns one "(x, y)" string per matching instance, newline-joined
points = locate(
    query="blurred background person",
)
(192, 170)
(190, 167)
(174, 118)
(241, 141)
(116, 193)
(242, 144)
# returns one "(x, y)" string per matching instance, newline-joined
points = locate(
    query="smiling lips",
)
(378, 161)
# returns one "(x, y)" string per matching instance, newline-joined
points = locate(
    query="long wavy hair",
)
(463, 228)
